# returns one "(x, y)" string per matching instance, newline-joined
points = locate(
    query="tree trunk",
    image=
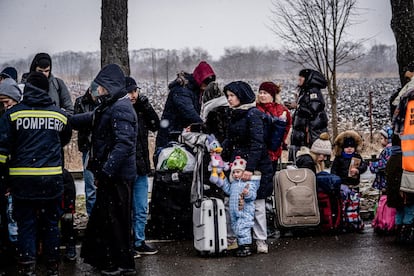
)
(114, 34)
(334, 104)
(402, 24)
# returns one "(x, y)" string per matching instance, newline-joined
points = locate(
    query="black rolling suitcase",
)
(170, 207)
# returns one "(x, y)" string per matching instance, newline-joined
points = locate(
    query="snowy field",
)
(353, 98)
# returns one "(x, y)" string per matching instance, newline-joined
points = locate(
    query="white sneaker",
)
(262, 246)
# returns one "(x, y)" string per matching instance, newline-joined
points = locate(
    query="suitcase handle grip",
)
(296, 180)
(197, 203)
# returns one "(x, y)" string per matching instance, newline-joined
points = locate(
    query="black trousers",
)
(108, 237)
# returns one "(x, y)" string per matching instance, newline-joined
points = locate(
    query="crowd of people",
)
(113, 120)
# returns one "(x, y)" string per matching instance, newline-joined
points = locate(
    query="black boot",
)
(410, 234)
(244, 251)
(27, 268)
(404, 233)
(398, 236)
(52, 268)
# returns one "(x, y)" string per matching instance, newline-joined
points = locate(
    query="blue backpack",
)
(274, 130)
(328, 183)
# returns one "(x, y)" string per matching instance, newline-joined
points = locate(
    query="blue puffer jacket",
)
(245, 137)
(114, 128)
(182, 108)
(32, 136)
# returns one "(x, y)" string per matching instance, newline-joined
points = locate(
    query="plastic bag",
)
(175, 158)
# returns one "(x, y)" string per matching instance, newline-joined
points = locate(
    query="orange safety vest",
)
(407, 138)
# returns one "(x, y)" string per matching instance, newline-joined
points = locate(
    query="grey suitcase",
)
(210, 229)
(296, 198)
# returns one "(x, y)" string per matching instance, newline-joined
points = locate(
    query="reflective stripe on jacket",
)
(407, 138)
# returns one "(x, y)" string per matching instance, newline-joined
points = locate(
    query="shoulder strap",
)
(56, 84)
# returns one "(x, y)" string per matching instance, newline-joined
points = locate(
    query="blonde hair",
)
(319, 166)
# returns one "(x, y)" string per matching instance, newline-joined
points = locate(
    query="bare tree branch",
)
(315, 33)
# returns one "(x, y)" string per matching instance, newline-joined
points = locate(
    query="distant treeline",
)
(236, 63)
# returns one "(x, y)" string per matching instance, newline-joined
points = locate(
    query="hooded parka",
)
(183, 104)
(108, 243)
(309, 119)
(245, 136)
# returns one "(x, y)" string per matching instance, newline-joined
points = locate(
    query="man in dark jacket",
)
(147, 120)
(183, 104)
(57, 89)
(33, 134)
(309, 119)
(107, 244)
(87, 103)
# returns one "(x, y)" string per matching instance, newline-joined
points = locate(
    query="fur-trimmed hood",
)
(339, 141)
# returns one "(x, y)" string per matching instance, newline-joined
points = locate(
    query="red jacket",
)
(276, 110)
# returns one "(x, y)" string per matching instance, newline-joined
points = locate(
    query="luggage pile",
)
(170, 205)
(179, 208)
(308, 202)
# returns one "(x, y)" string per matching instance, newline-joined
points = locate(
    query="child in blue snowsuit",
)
(242, 195)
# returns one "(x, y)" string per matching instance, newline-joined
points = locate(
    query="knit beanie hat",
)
(322, 145)
(387, 132)
(9, 72)
(271, 88)
(9, 88)
(238, 164)
(39, 80)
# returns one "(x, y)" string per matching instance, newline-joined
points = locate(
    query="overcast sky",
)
(55, 26)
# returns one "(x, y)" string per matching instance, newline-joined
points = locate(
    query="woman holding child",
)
(245, 139)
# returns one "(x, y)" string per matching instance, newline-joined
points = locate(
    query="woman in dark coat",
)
(183, 104)
(245, 138)
(107, 244)
(309, 119)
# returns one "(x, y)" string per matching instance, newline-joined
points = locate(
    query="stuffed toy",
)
(217, 166)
